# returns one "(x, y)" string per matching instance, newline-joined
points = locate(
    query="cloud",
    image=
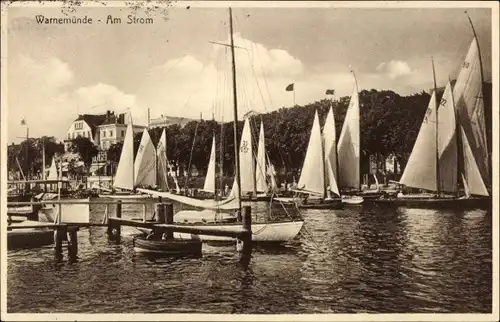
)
(394, 69)
(43, 92)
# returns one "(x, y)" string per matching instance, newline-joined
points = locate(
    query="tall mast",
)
(215, 159)
(482, 81)
(235, 106)
(43, 159)
(335, 147)
(133, 158)
(323, 154)
(359, 147)
(438, 179)
(457, 138)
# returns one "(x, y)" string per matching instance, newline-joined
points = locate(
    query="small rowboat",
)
(177, 246)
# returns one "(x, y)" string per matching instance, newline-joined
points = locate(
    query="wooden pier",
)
(164, 223)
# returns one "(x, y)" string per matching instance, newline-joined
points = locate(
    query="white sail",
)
(330, 148)
(474, 183)
(53, 170)
(247, 170)
(470, 104)
(420, 171)
(349, 145)
(124, 178)
(145, 162)
(162, 162)
(312, 177)
(260, 179)
(209, 185)
(447, 142)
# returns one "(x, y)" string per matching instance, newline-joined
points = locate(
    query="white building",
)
(103, 130)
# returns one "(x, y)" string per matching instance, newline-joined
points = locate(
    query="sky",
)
(55, 72)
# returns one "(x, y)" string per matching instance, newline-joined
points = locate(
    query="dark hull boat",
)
(321, 204)
(29, 238)
(172, 247)
(437, 203)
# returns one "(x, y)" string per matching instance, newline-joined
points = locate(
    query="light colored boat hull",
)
(134, 196)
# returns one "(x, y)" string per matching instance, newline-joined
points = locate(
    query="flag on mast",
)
(291, 88)
(330, 92)
(23, 122)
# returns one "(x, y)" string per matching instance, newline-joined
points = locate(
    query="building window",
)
(123, 133)
(69, 136)
(78, 125)
(110, 133)
(88, 132)
(104, 133)
(73, 135)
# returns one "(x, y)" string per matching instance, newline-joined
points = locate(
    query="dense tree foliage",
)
(85, 148)
(30, 152)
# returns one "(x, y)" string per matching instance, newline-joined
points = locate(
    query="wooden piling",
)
(59, 233)
(118, 226)
(72, 242)
(238, 215)
(160, 213)
(169, 213)
(114, 227)
(246, 239)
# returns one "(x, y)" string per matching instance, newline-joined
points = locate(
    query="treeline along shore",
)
(389, 127)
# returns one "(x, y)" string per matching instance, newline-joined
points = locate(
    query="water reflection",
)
(360, 259)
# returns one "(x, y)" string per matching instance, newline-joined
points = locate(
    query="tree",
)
(114, 152)
(85, 148)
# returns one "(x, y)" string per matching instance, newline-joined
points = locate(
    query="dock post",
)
(238, 215)
(72, 242)
(59, 233)
(160, 213)
(169, 213)
(114, 228)
(118, 226)
(246, 239)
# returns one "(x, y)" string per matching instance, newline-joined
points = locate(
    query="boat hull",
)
(275, 232)
(29, 238)
(175, 247)
(437, 203)
(132, 196)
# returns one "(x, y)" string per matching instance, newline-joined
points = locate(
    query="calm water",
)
(361, 259)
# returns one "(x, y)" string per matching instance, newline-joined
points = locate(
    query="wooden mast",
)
(438, 179)
(235, 107)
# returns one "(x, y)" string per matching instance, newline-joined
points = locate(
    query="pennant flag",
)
(23, 122)
(289, 88)
(330, 92)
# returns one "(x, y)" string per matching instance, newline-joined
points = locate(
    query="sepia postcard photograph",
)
(249, 160)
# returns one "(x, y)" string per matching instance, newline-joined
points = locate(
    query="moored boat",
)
(450, 156)
(190, 245)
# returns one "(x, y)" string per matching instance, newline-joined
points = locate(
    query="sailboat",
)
(316, 173)
(331, 160)
(264, 232)
(253, 181)
(348, 152)
(129, 173)
(453, 149)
